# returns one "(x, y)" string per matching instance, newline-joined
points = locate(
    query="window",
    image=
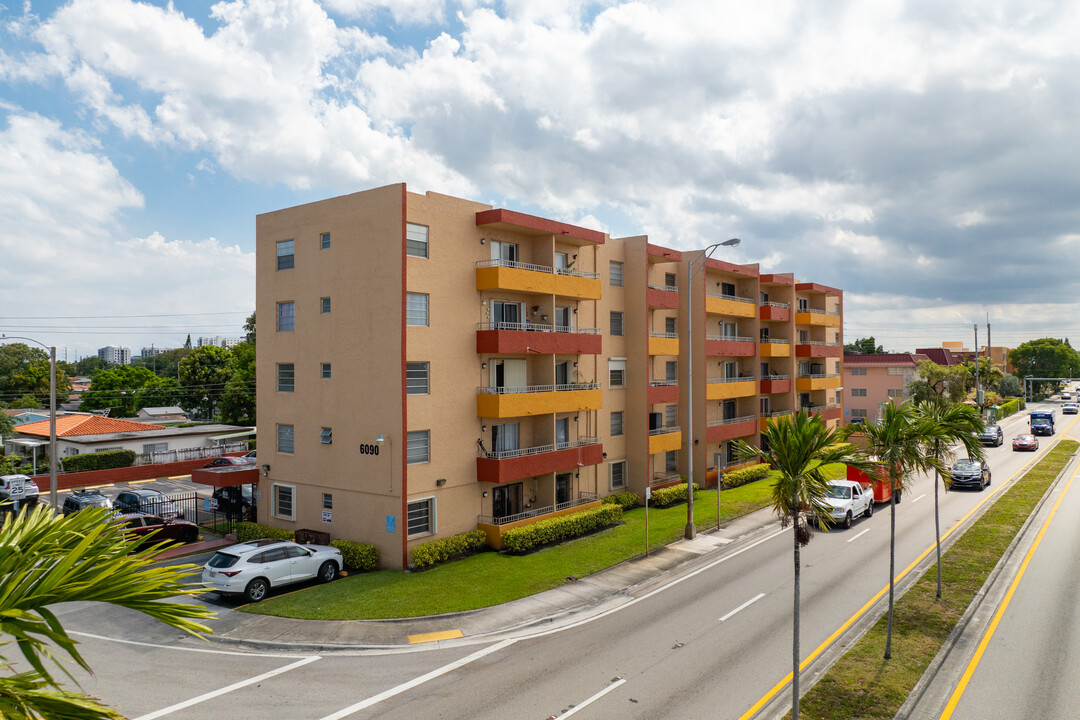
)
(727, 289)
(286, 377)
(285, 438)
(670, 280)
(858, 371)
(326, 436)
(285, 257)
(416, 309)
(616, 372)
(616, 323)
(416, 378)
(616, 423)
(897, 371)
(504, 252)
(326, 371)
(421, 517)
(858, 392)
(671, 416)
(618, 474)
(858, 412)
(804, 304)
(155, 447)
(286, 316)
(416, 240)
(418, 447)
(671, 461)
(615, 273)
(325, 305)
(766, 406)
(283, 501)
(327, 501)
(895, 393)
(671, 325)
(324, 241)
(671, 370)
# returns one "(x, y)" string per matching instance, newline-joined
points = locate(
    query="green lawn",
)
(491, 578)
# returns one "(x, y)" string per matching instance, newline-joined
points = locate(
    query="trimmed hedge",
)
(625, 500)
(248, 531)
(104, 460)
(357, 556)
(554, 530)
(443, 550)
(1010, 406)
(671, 495)
(735, 478)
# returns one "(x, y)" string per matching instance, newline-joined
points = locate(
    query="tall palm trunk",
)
(795, 638)
(892, 569)
(937, 531)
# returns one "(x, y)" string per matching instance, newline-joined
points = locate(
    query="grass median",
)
(492, 578)
(864, 685)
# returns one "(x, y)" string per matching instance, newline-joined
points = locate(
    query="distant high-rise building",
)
(115, 355)
(152, 351)
(219, 341)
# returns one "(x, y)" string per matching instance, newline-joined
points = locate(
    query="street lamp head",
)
(731, 243)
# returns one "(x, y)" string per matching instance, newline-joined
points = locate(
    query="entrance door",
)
(562, 488)
(729, 409)
(562, 373)
(509, 373)
(562, 433)
(506, 500)
(507, 252)
(504, 437)
(507, 314)
(561, 261)
(563, 319)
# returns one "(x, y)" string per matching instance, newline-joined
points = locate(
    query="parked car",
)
(1068, 408)
(1025, 442)
(226, 461)
(250, 457)
(969, 473)
(236, 501)
(848, 499)
(82, 499)
(156, 529)
(252, 568)
(16, 491)
(147, 501)
(992, 435)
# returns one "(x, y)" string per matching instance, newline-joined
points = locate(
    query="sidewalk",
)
(572, 602)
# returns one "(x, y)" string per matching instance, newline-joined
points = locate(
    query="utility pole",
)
(978, 390)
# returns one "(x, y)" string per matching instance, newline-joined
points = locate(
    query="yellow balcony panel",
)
(817, 318)
(721, 390)
(775, 349)
(665, 440)
(776, 417)
(809, 384)
(725, 306)
(536, 402)
(540, 281)
(663, 346)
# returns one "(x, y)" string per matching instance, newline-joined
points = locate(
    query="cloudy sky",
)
(923, 155)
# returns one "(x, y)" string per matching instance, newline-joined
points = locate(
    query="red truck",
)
(878, 480)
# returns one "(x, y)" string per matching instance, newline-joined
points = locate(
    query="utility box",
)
(312, 537)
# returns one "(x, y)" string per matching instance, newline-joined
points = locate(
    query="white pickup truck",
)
(846, 500)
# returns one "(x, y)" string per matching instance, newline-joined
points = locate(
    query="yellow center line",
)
(992, 627)
(869, 603)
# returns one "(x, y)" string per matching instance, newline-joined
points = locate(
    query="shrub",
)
(671, 495)
(1009, 407)
(547, 532)
(625, 500)
(248, 531)
(104, 460)
(735, 478)
(443, 550)
(357, 556)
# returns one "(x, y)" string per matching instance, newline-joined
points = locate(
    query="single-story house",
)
(162, 413)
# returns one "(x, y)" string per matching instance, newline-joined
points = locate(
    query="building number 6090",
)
(369, 449)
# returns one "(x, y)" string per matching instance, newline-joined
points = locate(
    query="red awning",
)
(226, 476)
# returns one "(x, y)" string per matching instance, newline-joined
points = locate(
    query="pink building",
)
(870, 381)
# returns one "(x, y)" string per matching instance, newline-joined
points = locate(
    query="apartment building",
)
(871, 381)
(115, 355)
(436, 365)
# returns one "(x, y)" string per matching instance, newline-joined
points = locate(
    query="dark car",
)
(236, 501)
(226, 462)
(145, 501)
(175, 530)
(992, 435)
(969, 473)
(82, 499)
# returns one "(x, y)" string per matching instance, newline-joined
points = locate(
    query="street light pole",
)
(690, 531)
(53, 490)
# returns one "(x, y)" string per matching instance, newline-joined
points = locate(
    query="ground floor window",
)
(284, 501)
(421, 518)
(618, 474)
(506, 500)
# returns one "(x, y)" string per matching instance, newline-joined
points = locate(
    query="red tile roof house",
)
(870, 381)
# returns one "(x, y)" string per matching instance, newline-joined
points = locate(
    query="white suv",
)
(252, 568)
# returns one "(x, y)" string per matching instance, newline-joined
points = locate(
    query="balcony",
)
(819, 349)
(832, 411)
(663, 479)
(809, 383)
(775, 348)
(494, 527)
(775, 311)
(538, 279)
(730, 428)
(817, 318)
(665, 439)
(728, 388)
(503, 337)
(510, 465)
(775, 384)
(664, 392)
(662, 296)
(729, 346)
(663, 343)
(506, 402)
(730, 305)
(775, 417)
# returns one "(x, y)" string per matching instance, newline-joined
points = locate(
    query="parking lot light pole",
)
(53, 491)
(690, 531)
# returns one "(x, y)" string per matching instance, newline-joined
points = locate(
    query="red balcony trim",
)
(730, 348)
(545, 343)
(720, 433)
(661, 298)
(826, 351)
(770, 387)
(663, 394)
(532, 225)
(494, 470)
(771, 312)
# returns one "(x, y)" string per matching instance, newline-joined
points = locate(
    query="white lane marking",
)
(855, 537)
(374, 699)
(745, 605)
(919, 498)
(235, 686)
(593, 699)
(184, 649)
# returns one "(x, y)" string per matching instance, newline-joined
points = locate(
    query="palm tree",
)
(956, 424)
(84, 556)
(799, 450)
(896, 439)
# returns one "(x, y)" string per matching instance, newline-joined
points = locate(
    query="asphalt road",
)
(713, 644)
